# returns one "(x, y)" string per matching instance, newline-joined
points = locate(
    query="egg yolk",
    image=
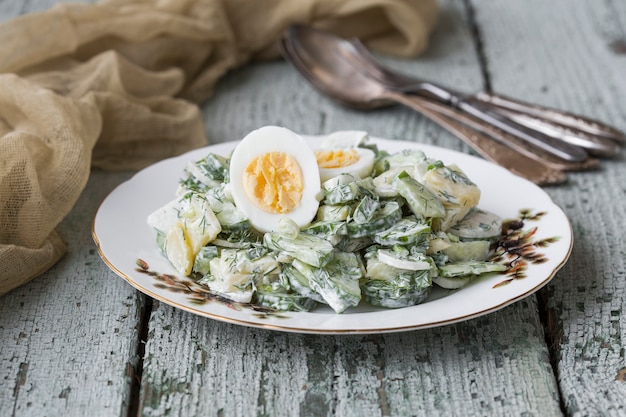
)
(338, 158)
(273, 182)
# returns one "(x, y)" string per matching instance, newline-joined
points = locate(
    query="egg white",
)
(342, 139)
(275, 139)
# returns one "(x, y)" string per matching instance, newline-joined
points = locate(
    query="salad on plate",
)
(289, 227)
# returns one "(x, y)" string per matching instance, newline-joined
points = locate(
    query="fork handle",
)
(596, 145)
(484, 111)
(575, 121)
(489, 112)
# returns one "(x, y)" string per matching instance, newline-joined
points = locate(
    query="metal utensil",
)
(332, 74)
(596, 137)
(574, 121)
(311, 39)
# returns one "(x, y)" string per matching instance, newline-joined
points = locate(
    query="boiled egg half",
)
(340, 153)
(274, 174)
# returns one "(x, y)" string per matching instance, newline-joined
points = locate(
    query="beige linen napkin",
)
(117, 84)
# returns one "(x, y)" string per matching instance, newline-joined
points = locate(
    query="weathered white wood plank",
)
(69, 338)
(495, 365)
(571, 55)
(488, 366)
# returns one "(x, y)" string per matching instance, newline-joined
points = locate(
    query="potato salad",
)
(288, 227)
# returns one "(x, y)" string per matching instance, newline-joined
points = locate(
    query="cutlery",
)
(332, 74)
(560, 133)
(596, 137)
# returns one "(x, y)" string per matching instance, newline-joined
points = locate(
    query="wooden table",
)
(80, 341)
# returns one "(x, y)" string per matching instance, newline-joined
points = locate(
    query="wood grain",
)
(72, 341)
(487, 366)
(69, 338)
(567, 58)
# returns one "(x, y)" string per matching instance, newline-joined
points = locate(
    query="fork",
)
(595, 137)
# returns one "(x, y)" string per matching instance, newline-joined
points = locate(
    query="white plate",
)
(123, 237)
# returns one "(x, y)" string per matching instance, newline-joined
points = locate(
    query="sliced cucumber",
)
(477, 250)
(400, 260)
(201, 264)
(342, 194)
(406, 231)
(383, 182)
(453, 215)
(229, 216)
(452, 283)
(283, 301)
(336, 283)
(478, 224)
(353, 245)
(366, 209)
(384, 218)
(215, 167)
(326, 229)
(300, 284)
(201, 176)
(309, 249)
(405, 289)
(405, 158)
(458, 269)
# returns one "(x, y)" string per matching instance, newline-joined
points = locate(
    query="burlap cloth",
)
(117, 84)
